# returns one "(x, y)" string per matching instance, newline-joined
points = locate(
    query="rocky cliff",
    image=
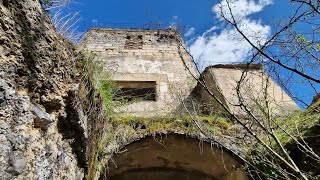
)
(36, 97)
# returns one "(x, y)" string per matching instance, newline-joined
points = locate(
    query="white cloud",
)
(227, 45)
(240, 8)
(210, 30)
(189, 32)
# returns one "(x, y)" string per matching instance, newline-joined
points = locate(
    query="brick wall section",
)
(156, 44)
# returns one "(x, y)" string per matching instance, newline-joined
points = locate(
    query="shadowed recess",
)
(173, 157)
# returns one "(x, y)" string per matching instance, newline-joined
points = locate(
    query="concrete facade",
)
(134, 55)
(256, 88)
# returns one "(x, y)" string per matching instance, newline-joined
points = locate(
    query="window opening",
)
(131, 91)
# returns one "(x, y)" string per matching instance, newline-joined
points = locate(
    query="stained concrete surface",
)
(174, 157)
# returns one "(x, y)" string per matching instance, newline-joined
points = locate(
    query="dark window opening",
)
(131, 91)
(133, 42)
(165, 38)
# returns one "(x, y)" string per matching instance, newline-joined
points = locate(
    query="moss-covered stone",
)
(154, 125)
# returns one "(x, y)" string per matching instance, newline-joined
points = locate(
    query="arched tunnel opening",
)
(173, 157)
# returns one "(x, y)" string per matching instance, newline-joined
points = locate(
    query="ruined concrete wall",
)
(202, 102)
(36, 90)
(144, 55)
(256, 88)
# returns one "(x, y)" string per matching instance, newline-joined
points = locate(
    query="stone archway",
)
(175, 157)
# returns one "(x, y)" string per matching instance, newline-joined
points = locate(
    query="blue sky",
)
(190, 13)
(209, 41)
(101, 12)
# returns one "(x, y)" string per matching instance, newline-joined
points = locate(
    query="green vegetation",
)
(155, 125)
(296, 124)
(95, 95)
(304, 128)
(314, 108)
(106, 91)
(102, 134)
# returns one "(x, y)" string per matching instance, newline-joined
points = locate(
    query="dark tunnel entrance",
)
(175, 157)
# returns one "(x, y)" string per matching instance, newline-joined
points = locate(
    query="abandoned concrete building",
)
(155, 77)
(146, 65)
(151, 75)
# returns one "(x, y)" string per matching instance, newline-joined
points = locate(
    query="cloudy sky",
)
(222, 44)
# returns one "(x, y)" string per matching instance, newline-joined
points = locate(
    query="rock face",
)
(35, 83)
